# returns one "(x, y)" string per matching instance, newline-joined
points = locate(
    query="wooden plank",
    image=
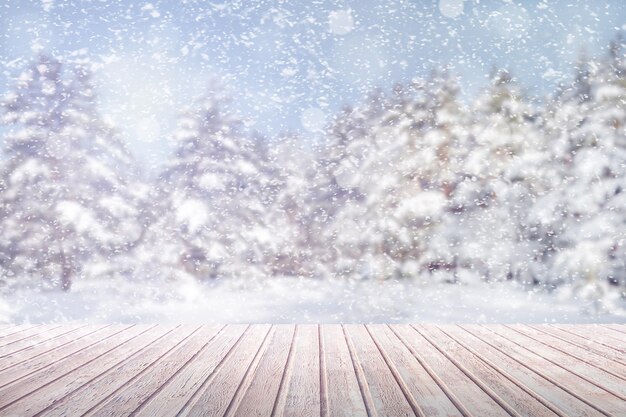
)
(589, 373)
(581, 354)
(49, 390)
(178, 390)
(310, 370)
(131, 367)
(425, 395)
(300, 393)
(591, 394)
(613, 331)
(584, 343)
(6, 326)
(24, 386)
(598, 337)
(147, 384)
(339, 382)
(260, 397)
(10, 331)
(44, 337)
(25, 335)
(524, 402)
(219, 392)
(387, 398)
(470, 398)
(19, 368)
(602, 333)
(617, 327)
(31, 352)
(529, 379)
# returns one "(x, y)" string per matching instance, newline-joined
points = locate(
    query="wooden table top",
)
(313, 370)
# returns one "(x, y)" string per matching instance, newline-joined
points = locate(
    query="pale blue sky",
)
(285, 58)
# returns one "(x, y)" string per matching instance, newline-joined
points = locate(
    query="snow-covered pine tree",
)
(439, 169)
(216, 189)
(31, 237)
(589, 204)
(339, 201)
(106, 182)
(62, 183)
(500, 186)
(290, 252)
(389, 220)
(404, 180)
(563, 114)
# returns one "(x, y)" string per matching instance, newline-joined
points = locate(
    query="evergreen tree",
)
(589, 119)
(500, 188)
(291, 249)
(216, 191)
(64, 195)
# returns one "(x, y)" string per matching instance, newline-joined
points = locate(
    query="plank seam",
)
(621, 332)
(286, 373)
(20, 331)
(27, 337)
(101, 374)
(323, 374)
(568, 353)
(446, 390)
(366, 395)
(61, 358)
(589, 380)
(56, 347)
(544, 376)
(588, 347)
(490, 393)
(511, 378)
(99, 402)
(396, 375)
(43, 341)
(582, 336)
(193, 398)
(74, 369)
(167, 381)
(245, 382)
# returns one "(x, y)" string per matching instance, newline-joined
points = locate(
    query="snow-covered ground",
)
(305, 301)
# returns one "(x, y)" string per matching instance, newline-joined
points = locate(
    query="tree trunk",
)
(67, 272)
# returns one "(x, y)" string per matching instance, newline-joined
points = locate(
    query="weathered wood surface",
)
(313, 370)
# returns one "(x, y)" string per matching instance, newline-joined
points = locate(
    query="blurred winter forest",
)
(416, 184)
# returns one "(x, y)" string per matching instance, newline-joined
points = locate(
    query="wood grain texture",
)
(260, 396)
(571, 339)
(313, 370)
(597, 336)
(300, 392)
(218, 392)
(583, 370)
(100, 359)
(13, 330)
(147, 385)
(45, 338)
(532, 380)
(343, 396)
(428, 397)
(591, 394)
(514, 397)
(588, 356)
(24, 335)
(387, 395)
(476, 400)
(21, 365)
(178, 391)
(120, 375)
